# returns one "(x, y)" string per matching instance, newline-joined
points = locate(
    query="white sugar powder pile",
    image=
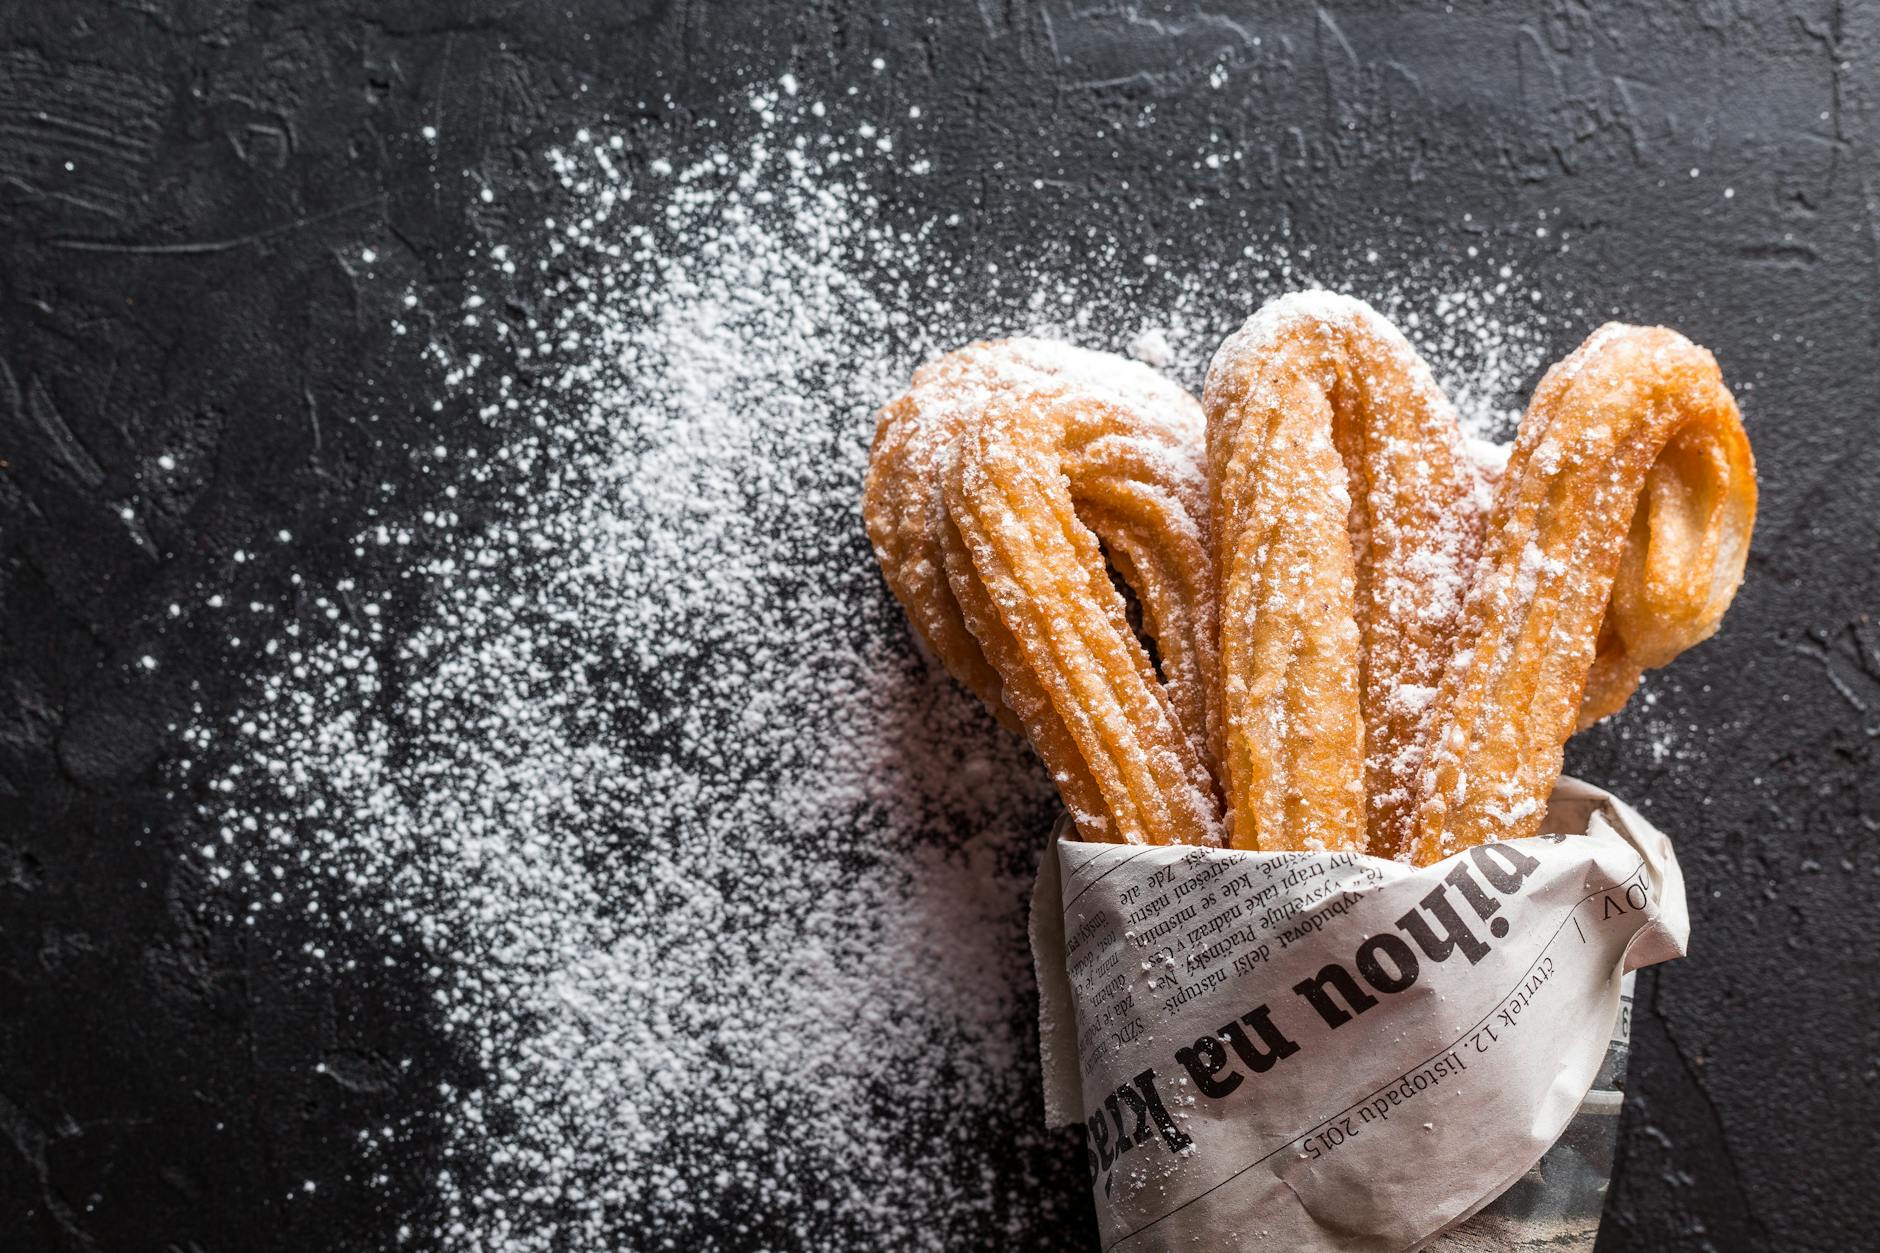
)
(718, 886)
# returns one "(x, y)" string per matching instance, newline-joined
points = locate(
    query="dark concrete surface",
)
(186, 286)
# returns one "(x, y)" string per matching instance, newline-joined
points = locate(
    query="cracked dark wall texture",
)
(188, 287)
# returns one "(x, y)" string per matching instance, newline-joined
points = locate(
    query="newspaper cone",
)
(1330, 1051)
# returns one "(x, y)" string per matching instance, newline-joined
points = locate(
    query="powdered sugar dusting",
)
(718, 886)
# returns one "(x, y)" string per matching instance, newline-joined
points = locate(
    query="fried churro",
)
(998, 484)
(1345, 509)
(1624, 516)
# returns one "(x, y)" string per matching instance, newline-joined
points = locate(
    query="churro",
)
(996, 487)
(1617, 539)
(1345, 526)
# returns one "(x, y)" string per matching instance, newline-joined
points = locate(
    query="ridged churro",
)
(1345, 527)
(1008, 469)
(1624, 516)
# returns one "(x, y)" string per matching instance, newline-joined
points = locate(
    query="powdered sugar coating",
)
(1009, 467)
(1348, 515)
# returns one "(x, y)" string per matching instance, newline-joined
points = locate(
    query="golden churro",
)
(1628, 501)
(1345, 525)
(996, 484)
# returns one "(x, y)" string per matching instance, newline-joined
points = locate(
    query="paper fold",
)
(1317, 1051)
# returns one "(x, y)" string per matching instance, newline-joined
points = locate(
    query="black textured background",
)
(189, 285)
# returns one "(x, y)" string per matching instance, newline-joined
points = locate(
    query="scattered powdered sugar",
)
(718, 887)
(1649, 735)
(1151, 347)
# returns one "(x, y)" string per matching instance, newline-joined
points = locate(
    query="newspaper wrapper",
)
(1331, 1051)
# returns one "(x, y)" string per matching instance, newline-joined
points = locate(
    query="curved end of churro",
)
(1619, 537)
(998, 485)
(1688, 542)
